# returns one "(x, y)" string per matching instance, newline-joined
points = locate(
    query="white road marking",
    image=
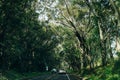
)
(68, 77)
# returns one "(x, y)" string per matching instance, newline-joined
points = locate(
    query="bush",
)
(3, 78)
(116, 68)
(114, 77)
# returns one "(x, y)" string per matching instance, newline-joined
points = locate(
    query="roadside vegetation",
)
(13, 75)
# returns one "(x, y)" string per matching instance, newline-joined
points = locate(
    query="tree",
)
(25, 41)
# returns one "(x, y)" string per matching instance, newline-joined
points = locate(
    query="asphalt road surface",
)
(57, 77)
(65, 77)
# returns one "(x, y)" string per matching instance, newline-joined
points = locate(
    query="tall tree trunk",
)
(84, 48)
(110, 49)
(103, 53)
(102, 45)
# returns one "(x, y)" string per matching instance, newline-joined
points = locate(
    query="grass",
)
(103, 73)
(3, 77)
(13, 75)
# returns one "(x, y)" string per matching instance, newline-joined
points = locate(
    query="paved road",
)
(57, 77)
(65, 77)
(43, 77)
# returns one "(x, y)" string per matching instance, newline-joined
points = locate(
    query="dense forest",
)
(79, 36)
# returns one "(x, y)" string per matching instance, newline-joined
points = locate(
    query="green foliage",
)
(116, 68)
(26, 44)
(13, 75)
(104, 73)
(81, 41)
(114, 77)
(3, 78)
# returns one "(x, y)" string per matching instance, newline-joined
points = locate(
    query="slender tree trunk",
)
(110, 49)
(102, 45)
(103, 53)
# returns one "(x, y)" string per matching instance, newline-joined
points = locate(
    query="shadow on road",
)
(56, 77)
